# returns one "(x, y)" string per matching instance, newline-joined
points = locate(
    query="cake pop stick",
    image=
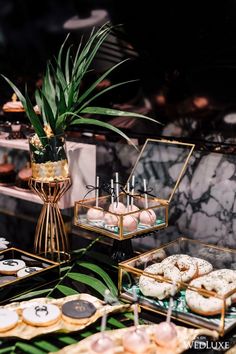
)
(136, 323)
(132, 198)
(128, 197)
(117, 187)
(171, 302)
(97, 191)
(145, 193)
(112, 194)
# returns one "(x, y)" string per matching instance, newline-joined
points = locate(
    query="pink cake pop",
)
(165, 333)
(95, 214)
(136, 340)
(147, 217)
(132, 206)
(111, 219)
(130, 222)
(103, 344)
(130, 201)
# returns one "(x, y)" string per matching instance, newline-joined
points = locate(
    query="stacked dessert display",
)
(15, 114)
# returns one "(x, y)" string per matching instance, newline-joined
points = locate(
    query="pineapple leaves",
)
(60, 101)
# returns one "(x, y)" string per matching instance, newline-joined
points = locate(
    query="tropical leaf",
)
(45, 345)
(98, 270)
(90, 281)
(66, 290)
(28, 348)
(32, 294)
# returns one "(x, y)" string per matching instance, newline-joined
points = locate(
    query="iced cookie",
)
(8, 319)
(7, 279)
(11, 266)
(41, 315)
(78, 311)
(27, 271)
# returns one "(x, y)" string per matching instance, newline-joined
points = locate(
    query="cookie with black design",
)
(41, 315)
(27, 271)
(77, 311)
(11, 266)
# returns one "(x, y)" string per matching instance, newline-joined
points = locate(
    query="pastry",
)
(13, 105)
(41, 315)
(136, 341)
(203, 267)
(11, 266)
(147, 217)
(7, 279)
(201, 302)
(27, 271)
(130, 223)
(228, 275)
(77, 311)
(95, 215)
(7, 171)
(159, 289)
(23, 177)
(186, 265)
(8, 319)
(102, 345)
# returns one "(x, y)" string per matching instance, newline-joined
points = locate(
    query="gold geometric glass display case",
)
(162, 164)
(131, 271)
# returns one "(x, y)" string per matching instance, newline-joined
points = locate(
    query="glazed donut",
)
(202, 304)
(229, 275)
(186, 265)
(204, 267)
(159, 289)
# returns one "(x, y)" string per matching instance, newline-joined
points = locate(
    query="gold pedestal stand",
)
(50, 237)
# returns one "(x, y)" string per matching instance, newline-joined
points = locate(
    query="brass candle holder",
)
(50, 237)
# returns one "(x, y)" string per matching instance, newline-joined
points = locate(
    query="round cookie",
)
(7, 279)
(159, 289)
(203, 304)
(8, 319)
(204, 267)
(186, 265)
(41, 315)
(77, 311)
(11, 266)
(27, 271)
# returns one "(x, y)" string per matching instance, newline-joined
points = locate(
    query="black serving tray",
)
(49, 273)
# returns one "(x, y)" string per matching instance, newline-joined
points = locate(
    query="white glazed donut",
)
(11, 266)
(201, 303)
(186, 265)
(159, 289)
(41, 314)
(204, 267)
(229, 275)
(8, 319)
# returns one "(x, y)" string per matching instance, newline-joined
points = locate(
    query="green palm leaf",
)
(90, 281)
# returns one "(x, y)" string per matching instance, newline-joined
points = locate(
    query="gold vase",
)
(50, 238)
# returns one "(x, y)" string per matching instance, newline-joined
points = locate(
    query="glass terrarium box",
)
(142, 204)
(21, 271)
(203, 298)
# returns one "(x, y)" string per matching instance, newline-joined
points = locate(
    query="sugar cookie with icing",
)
(78, 311)
(11, 266)
(8, 319)
(41, 315)
(27, 271)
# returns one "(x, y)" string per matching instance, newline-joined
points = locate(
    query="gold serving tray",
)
(185, 338)
(26, 331)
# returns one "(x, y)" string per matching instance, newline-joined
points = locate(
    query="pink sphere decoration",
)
(147, 217)
(136, 341)
(95, 214)
(165, 334)
(103, 345)
(118, 208)
(111, 220)
(130, 223)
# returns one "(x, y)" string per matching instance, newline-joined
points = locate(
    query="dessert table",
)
(91, 270)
